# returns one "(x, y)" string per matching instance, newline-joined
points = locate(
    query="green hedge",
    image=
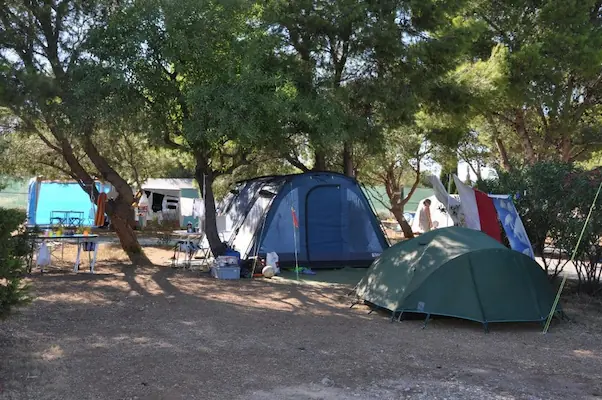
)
(14, 251)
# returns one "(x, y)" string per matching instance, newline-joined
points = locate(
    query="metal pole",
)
(294, 215)
(449, 178)
(551, 315)
(204, 208)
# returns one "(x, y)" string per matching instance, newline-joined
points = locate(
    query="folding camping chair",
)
(190, 249)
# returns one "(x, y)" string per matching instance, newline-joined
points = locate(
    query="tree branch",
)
(495, 27)
(47, 142)
(414, 185)
(575, 156)
(503, 118)
(63, 170)
(243, 160)
(544, 122)
(294, 161)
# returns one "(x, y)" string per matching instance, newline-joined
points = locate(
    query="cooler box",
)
(226, 272)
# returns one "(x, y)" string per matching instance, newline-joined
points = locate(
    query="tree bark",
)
(503, 153)
(566, 148)
(397, 212)
(521, 130)
(319, 161)
(119, 210)
(505, 160)
(394, 187)
(205, 178)
(122, 218)
(348, 159)
(295, 162)
(108, 173)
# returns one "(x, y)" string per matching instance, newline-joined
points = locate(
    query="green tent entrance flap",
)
(458, 272)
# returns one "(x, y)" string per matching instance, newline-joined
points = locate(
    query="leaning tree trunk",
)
(205, 180)
(122, 221)
(120, 210)
(394, 187)
(405, 227)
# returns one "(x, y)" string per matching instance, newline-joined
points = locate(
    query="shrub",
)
(544, 203)
(14, 251)
(553, 200)
(588, 255)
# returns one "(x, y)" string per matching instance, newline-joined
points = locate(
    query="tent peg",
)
(426, 320)
(399, 319)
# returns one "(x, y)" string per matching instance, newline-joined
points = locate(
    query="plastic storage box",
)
(226, 272)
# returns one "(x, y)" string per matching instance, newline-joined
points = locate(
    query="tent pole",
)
(204, 209)
(555, 304)
(296, 256)
(258, 243)
(449, 178)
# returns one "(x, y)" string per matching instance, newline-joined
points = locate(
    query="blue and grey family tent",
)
(319, 219)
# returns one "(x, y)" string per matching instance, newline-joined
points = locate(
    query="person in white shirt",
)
(425, 222)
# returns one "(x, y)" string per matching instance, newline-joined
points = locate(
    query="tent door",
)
(324, 224)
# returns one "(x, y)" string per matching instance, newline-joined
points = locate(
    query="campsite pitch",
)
(160, 333)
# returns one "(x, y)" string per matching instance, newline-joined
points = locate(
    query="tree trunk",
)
(405, 227)
(206, 186)
(394, 187)
(348, 159)
(319, 161)
(565, 148)
(108, 173)
(521, 130)
(120, 210)
(501, 148)
(122, 221)
(505, 160)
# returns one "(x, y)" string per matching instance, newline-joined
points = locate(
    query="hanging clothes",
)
(99, 219)
(171, 203)
(157, 202)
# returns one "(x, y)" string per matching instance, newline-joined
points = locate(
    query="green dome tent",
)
(458, 272)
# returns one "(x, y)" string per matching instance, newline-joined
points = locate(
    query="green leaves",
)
(13, 253)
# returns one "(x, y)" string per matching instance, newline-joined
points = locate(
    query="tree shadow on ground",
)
(176, 334)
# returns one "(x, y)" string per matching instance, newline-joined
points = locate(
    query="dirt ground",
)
(160, 333)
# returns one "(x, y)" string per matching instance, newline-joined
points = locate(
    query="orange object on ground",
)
(99, 219)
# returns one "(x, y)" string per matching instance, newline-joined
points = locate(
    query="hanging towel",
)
(43, 256)
(479, 210)
(99, 220)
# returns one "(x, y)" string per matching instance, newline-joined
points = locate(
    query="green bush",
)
(553, 200)
(14, 250)
(588, 255)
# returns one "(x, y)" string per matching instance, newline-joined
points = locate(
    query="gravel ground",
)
(159, 333)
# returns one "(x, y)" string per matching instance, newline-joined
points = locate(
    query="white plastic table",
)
(80, 240)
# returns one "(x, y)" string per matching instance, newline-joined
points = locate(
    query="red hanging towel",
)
(488, 215)
(99, 219)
